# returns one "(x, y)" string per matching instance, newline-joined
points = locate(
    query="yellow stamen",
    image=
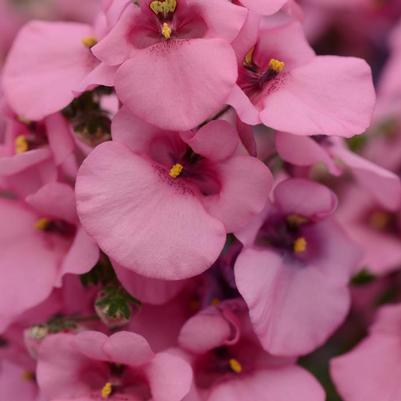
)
(176, 170)
(163, 7)
(276, 65)
(23, 120)
(216, 301)
(27, 375)
(89, 41)
(21, 144)
(42, 223)
(235, 365)
(248, 60)
(106, 390)
(379, 220)
(166, 30)
(300, 245)
(296, 219)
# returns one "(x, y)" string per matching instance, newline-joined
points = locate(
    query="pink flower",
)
(27, 143)
(41, 241)
(177, 65)
(230, 365)
(279, 74)
(375, 228)
(384, 185)
(92, 366)
(371, 371)
(47, 62)
(294, 269)
(160, 203)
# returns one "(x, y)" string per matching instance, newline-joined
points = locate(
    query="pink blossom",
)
(92, 366)
(294, 269)
(384, 185)
(280, 73)
(41, 242)
(371, 370)
(179, 60)
(140, 195)
(229, 363)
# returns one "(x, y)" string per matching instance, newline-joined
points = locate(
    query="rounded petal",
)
(148, 290)
(10, 165)
(305, 198)
(304, 151)
(45, 64)
(60, 366)
(177, 85)
(329, 95)
(60, 138)
(371, 371)
(224, 20)
(81, 257)
(383, 184)
(55, 200)
(245, 187)
(142, 219)
(247, 112)
(169, 376)
(217, 140)
(128, 348)
(293, 309)
(28, 265)
(12, 386)
(133, 132)
(290, 383)
(207, 330)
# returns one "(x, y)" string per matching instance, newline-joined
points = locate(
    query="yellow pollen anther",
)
(42, 223)
(248, 60)
(276, 65)
(165, 7)
(300, 245)
(379, 220)
(166, 30)
(23, 120)
(27, 375)
(106, 390)
(21, 144)
(89, 41)
(176, 170)
(296, 219)
(235, 365)
(216, 301)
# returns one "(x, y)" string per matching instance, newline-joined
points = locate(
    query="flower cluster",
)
(192, 207)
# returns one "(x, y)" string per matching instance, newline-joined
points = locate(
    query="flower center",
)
(235, 365)
(166, 30)
(300, 245)
(59, 227)
(176, 170)
(106, 391)
(89, 41)
(21, 144)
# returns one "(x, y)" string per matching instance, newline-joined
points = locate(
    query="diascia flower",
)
(160, 202)
(177, 65)
(371, 371)
(41, 240)
(122, 367)
(279, 74)
(230, 365)
(295, 267)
